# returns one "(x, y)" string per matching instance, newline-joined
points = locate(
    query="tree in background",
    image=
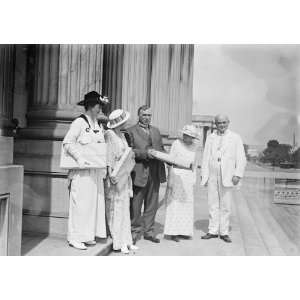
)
(276, 153)
(296, 158)
(272, 144)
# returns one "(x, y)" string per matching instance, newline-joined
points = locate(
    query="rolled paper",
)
(177, 161)
(94, 153)
(125, 165)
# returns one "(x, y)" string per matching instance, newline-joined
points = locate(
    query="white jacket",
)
(233, 159)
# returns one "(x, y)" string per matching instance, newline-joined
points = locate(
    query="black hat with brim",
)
(93, 98)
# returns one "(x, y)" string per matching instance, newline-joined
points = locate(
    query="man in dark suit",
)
(147, 175)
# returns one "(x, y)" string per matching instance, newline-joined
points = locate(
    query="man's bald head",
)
(221, 117)
(222, 122)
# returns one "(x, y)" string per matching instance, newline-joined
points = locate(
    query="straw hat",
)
(190, 130)
(117, 118)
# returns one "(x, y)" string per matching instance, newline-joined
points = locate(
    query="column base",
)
(6, 150)
(46, 198)
(11, 202)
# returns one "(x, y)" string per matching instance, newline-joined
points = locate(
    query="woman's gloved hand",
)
(82, 163)
(113, 179)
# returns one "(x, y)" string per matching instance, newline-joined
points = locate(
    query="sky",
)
(257, 86)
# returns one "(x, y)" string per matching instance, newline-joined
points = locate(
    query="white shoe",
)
(133, 247)
(124, 250)
(78, 245)
(90, 243)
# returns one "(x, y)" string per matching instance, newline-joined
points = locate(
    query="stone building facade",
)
(43, 83)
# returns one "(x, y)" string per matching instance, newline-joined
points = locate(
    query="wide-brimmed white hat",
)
(190, 130)
(117, 118)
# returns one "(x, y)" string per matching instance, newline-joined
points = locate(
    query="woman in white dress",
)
(119, 190)
(86, 186)
(179, 220)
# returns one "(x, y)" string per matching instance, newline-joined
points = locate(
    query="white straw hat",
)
(190, 130)
(117, 118)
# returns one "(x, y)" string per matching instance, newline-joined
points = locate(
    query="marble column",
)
(127, 75)
(172, 86)
(6, 88)
(204, 125)
(11, 176)
(158, 75)
(62, 75)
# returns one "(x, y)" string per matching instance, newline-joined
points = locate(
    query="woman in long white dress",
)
(87, 203)
(119, 190)
(179, 222)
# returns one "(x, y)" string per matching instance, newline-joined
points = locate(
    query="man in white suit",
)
(223, 166)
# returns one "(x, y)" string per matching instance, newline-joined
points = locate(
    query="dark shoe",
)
(185, 237)
(226, 238)
(135, 238)
(151, 238)
(175, 238)
(209, 236)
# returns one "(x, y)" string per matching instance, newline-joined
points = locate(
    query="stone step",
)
(41, 245)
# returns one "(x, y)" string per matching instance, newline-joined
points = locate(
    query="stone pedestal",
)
(11, 200)
(62, 75)
(11, 196)
(11, 176)
(204, 125)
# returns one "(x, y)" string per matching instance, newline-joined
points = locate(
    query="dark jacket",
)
(140, 142)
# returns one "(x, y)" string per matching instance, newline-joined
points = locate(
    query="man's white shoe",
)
(124, 250)
(133, 247)
(78, 245)
(90, 243)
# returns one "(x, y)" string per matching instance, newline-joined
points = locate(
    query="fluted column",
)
(7, 57)
(158, 75)
(127, 75)
(11, 176)
(171, 86)
(63, 74)
(113, 61)
(136, 72)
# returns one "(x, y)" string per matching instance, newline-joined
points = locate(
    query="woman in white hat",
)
(119, 190)
(179, 220)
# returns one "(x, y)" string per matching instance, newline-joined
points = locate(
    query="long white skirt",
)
(118, 215)
(87, 206)
(180, 204)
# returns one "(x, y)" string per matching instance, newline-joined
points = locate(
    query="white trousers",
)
(87, 206)
(219, 203)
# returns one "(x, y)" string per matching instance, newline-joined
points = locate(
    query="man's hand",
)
(82, 163)
(150, 153)
(235, 180)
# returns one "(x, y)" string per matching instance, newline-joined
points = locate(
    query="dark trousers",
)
(148, 196)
